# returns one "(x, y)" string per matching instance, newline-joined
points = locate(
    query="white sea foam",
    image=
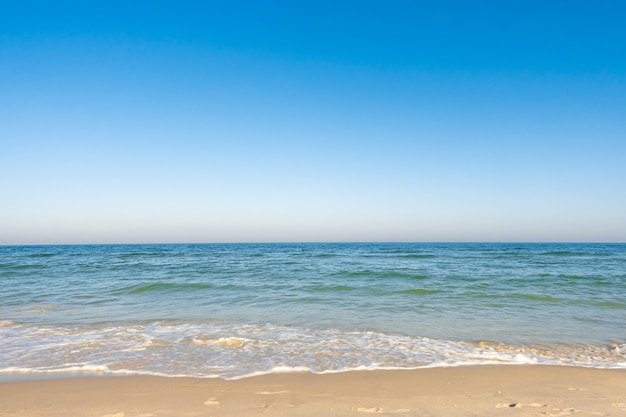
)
(236, 350)
(235, 342)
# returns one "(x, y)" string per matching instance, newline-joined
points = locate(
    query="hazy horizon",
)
(262, 243)
(161, 122)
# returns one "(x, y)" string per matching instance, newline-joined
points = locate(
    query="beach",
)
(313, 329)
(499, 390)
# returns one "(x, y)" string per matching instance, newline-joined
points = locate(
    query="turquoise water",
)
(232, 310)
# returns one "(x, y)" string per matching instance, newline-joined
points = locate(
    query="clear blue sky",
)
(244, 121)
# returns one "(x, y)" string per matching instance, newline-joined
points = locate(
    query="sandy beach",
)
(462, 391)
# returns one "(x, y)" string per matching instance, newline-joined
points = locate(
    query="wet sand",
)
(464, 391)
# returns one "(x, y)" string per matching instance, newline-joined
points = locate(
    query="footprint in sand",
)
(560, 412)
(519, 405)
(381, 410)
(271, 392)
(370, 410)
(509, 405)
(212, 402)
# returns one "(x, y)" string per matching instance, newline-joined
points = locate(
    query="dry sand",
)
(464, 391)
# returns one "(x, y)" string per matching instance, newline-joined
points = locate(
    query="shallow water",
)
(232, 310)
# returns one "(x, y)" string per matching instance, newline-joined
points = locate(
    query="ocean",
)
(237, 310)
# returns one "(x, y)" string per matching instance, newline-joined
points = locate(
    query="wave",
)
(610, 304)
(325, 255)
(161, 287)
(419, 291)
(132, 255)
(577, 277)
(333, 288)
(519, 296)
(399, 255)
(238, 350)
(41, 255)
(367, 273)
(559, 253)
(416, 256)
(14, 267)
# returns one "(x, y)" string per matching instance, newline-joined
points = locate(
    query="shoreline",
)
(522, 390)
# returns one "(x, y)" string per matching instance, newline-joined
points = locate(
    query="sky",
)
(298, 121)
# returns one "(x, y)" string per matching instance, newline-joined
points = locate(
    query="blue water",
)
(232, 310)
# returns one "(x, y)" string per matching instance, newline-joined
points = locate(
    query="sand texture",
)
(465, 391)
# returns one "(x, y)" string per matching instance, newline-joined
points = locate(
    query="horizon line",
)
(318, 242)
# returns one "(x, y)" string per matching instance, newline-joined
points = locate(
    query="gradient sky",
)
(246, 121)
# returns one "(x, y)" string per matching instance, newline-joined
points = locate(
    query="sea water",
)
(234, 310)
